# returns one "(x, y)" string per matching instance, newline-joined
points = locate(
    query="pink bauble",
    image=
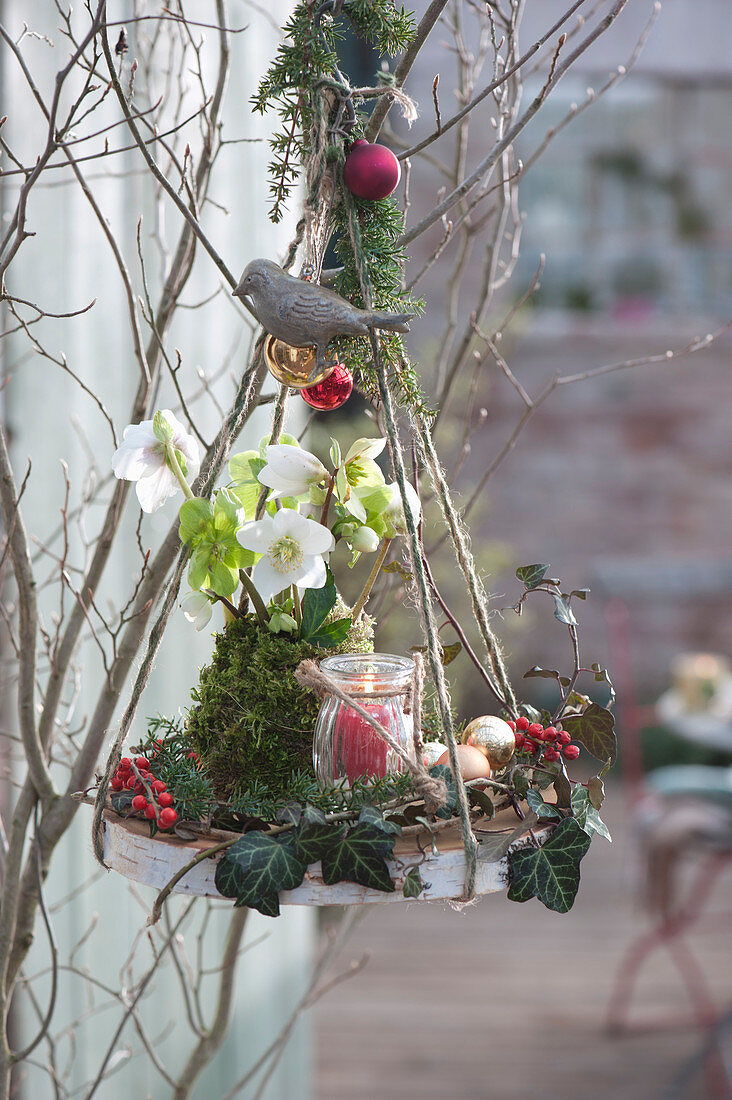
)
(332, 392)
(371, 171)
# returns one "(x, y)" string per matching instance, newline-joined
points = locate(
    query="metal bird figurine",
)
(304, 314)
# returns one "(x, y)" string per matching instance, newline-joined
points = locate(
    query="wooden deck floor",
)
(506, 1002)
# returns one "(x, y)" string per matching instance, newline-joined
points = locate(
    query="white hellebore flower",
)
(394, 512)
(292, 549)
(141, 458)
(365, 448)
(197, 608)
(290, 471)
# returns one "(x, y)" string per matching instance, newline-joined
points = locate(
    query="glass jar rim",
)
(353, 666)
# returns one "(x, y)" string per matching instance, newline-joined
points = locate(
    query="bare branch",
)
(501, 146)
(490, 88)
(152, 165)
(25, 580)
(383, 106)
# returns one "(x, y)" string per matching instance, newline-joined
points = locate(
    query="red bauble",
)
(332, 392)
(371, 171)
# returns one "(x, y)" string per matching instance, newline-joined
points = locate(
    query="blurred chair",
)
(679, 814)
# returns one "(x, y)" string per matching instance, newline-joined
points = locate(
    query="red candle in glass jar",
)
(358, 746)
(346, 746)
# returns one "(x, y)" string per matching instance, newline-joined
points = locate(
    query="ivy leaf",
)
(413, 883)
(586, 815)
(580, 593)
(595, 729)
(520, 784)
(317, 604)
(546, 674)
(494, 845)
(562, 611)
(359, 856)
(531, 575)
(331, 635)
(563, 789)
(315, 835)
(448, 653)
(602, 676)
(482, 799)
(290, 813)
(256, 867)
(576, 702)
(370, 815)
(550, 873)
(541, 808)
(596, 791)
(547, 774)
(121, 800)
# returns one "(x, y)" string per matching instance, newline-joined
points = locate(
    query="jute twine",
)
(203, 486)
(414, 546)
(434, 791)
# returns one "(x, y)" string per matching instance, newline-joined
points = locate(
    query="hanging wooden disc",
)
(153, 861)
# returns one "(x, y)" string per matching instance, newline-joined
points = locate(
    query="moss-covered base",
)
(250, 720)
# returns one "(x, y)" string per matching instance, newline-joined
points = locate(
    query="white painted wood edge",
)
(153, 861)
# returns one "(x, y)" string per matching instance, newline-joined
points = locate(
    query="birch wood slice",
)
(153, 861)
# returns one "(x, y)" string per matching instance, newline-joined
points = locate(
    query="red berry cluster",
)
(548, 742)
(140, 778)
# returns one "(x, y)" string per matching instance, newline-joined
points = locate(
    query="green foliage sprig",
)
(258, 799)
(169, 749)
(373, 251)
(306, 57)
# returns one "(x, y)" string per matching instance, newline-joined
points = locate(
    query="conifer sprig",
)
(306, 57)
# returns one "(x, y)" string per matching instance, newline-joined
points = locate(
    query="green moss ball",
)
(250, 720)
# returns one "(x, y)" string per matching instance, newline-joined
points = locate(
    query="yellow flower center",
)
(285, 554)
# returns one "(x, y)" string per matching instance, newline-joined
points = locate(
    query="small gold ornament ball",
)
(493, 737)
(292, 366)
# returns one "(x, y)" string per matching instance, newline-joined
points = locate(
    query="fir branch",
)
(304, 61)
(378, 229)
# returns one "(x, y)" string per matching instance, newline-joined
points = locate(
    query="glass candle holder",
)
(345, 746)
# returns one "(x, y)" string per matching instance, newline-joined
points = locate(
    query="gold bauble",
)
(493, 737)
(292, 366)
